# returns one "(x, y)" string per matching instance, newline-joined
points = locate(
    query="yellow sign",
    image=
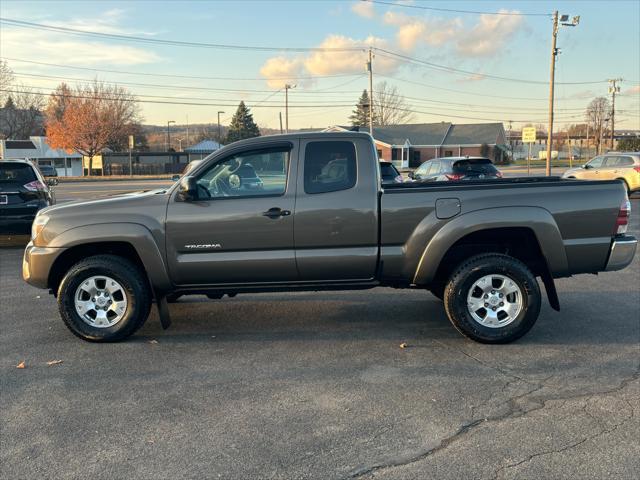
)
(528, 134)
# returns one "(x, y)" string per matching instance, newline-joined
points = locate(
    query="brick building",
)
(410, 145)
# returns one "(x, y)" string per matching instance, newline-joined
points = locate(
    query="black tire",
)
(473, 269)
(134, 284)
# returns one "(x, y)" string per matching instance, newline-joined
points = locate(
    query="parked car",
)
(623, 166)
(389, 173)
(23, 192)
(456, 168)
(190, 166)
(321, 222)
(49, 172)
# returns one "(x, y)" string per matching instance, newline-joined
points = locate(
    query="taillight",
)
(622, 222)
(637, 168)
(35, 186)
(454, 176)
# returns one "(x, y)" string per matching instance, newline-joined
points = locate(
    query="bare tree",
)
(90, 117)
(6, 79)
(389, 107)
(21, 114)
(597, 115)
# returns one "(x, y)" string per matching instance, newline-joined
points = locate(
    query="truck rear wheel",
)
(104, 298)
(492, 298)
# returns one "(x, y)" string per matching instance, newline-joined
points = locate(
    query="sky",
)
(500, 62)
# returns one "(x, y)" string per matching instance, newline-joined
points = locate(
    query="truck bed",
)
(583, 214)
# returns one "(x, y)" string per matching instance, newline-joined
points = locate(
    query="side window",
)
(625, 161)
(611, 161)
(329, 166)
(596, 162)
(252, 173)
(435, 168)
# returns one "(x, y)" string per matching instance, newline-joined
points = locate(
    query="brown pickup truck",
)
(309, 212)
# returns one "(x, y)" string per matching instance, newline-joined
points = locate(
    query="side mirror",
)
(188, 189)
(52, 182)
(175, 178)
(411, 175)
(586, 166)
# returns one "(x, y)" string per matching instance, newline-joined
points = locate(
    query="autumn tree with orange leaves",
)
(89, 117)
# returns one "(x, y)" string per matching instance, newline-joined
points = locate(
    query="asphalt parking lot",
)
(315, 385)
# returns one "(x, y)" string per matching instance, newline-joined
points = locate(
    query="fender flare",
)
(537, 219)
(137, 235)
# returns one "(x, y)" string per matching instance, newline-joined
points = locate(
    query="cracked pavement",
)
(314, 385)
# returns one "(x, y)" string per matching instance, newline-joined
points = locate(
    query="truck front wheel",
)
(492, 298)
(104, 298)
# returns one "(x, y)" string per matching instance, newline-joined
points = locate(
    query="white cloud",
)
(55, 47)
(412, 31)
(329, 62)
(364, 9)
(633, 90)
(489, 35)
(281, 70)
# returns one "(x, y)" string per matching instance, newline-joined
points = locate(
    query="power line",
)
(195, 77)
(177, 43)
(170, 87)
(451, 10)
(349, 105)
(468, 72)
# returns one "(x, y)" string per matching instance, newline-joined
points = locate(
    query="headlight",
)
(38, 225)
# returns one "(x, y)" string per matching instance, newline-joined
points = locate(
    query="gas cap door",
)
(447, 207)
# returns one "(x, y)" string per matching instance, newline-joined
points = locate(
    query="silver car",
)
(623, 166)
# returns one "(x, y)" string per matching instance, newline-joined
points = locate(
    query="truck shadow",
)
(378, 314)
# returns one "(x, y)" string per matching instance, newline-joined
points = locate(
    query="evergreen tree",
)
(360, 116)
(242, 125)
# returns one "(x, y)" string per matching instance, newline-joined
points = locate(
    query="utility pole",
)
(370, 70)
(613, 89)
(554, 53)
(564, 21)
(187, 130)
(219, 128)
(169, 134)
(287, 87)
(280, 115)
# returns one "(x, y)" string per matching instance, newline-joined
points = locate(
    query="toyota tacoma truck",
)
(309, 212)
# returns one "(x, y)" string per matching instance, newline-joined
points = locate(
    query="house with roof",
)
(407, 146)
(38, 150)
(202, 149)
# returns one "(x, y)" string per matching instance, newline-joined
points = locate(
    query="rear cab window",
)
(475, 165)
(329, 166)
(20, 173)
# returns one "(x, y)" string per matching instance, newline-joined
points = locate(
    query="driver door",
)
(240, 228)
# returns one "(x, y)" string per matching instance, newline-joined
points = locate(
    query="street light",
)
(287, 87)
(564, 21)
(169, 134)
(219, 128)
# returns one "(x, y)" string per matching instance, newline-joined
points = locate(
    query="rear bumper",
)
(622, 251)
(37, 263)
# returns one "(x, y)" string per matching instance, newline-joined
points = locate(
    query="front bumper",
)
(622, 251)
(37, 263)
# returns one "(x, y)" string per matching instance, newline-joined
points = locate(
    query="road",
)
(315, 385)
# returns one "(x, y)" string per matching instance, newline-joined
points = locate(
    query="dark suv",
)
(456, 168)
(23, 192)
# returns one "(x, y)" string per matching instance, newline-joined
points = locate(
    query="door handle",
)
(276, 212)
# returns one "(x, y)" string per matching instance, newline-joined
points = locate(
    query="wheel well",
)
(74, 254)
(518, 242)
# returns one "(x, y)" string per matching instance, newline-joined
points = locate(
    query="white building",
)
(38, 150)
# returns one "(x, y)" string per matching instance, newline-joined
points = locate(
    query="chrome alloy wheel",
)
(100, 301)
(494, 301)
